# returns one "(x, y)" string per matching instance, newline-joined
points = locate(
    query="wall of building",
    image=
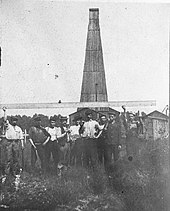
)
(148, 128)
(155, 128)
(160, 128)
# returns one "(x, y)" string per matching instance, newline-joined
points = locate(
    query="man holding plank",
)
(14, 142)
(38, 137)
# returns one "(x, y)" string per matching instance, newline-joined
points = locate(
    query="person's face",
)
(6, 123)
(103, 119)
(64, 123)
(112, 118)
(14, 122)
(132, 118)
(78, 122)
(37, 123)
(81, 122)
(58, 124)
(89, 116)
(52, 123)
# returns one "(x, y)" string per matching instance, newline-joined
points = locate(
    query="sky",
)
(41, 39)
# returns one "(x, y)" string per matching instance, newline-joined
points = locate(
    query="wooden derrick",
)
(94, 83)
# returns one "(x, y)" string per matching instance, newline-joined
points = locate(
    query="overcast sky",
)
(41, 39)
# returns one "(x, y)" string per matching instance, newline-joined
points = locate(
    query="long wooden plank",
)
(78, 104)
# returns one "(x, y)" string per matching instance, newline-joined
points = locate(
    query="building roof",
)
(82, 109)
(156, 115)
(102, 112)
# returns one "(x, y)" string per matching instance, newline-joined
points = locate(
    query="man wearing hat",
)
(76, 141)
(14, 142)
(38, 137)
(102, 136)
(133, 124)
(64, 142)
(52, 146)
(112, 141)
(89, 130)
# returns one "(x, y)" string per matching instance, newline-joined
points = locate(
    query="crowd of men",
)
(87, 143)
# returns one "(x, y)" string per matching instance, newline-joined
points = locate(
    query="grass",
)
(140, 184)
(44, 193)
(143, 183)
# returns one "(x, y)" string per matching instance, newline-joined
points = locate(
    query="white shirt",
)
(74, 132)
(102, 126)
(14, 132)
(54, 132)
(90, 128)
(133, 125)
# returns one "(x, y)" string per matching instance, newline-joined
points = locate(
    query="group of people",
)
(87, 143)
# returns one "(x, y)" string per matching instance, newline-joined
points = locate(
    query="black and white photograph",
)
(84, 105)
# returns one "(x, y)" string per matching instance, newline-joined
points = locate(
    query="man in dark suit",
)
(112, 141)
(101, 138)
(38, 137)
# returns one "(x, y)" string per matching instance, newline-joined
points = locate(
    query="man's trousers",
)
(52, 147)
(90, 152)
(11, 156)
(106, 152)
(65, 154)
(77, 152)
(41, 153)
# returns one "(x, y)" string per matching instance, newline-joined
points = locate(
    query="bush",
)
(39, 192)
(140, 184)
(143, 181)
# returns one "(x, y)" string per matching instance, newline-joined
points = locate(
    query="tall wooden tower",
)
(94, 82)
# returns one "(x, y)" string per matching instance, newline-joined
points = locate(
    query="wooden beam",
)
(78, 104)
(158, 118)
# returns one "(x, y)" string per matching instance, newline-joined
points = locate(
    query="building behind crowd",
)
(156, 125)
(95, 114)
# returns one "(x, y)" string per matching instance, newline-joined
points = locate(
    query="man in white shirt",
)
(76, 142)
(52, 146)
(89, 130)
(64, 142)
(74, 130)
(14, 139)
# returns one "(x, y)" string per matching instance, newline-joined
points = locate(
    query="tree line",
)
(25, 122)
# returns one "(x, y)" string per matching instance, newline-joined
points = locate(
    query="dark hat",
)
(101, 115)
(52, 119)
(112, 113)
(88, 112)
(63, 118)
(37, 119)
(13, 118)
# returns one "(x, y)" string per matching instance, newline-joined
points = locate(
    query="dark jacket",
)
(113, 133)
(38, 135)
